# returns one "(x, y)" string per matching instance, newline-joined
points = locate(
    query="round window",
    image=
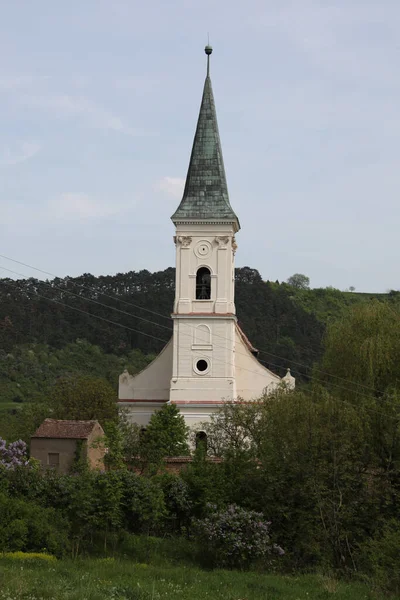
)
(201, 365)
(203, 249)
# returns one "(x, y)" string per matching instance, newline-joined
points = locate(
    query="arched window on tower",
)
(201, 440)
(203, 284)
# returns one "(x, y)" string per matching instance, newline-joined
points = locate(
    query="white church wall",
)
(251, 377)
(152, 383)
(140, 412)
(215, 346)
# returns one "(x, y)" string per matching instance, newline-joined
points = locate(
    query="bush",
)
(28, 527)
(234, 537)
(381, 558)
(177, 502)
(142, 504)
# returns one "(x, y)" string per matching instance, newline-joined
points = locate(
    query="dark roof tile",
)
(54, 428)
(206, 196)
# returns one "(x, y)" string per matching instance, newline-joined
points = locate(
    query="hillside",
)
(100, 325)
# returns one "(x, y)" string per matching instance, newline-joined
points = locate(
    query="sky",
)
(98, 106)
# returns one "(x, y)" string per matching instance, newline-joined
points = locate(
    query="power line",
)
(88, 287)
(123, 312)
(95, 316)
(130, 314)
(266, 352)
(219, 360)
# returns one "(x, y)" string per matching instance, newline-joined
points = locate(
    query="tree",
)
(166, 435)
(299, 281)
(303, 465)
(84, 398)
(363, 348)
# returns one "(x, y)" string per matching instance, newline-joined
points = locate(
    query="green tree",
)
(84, 398)
(303, 464)
(166, 435)
(363, 348)
(300, 281)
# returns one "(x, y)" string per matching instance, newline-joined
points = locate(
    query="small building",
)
(58, 444)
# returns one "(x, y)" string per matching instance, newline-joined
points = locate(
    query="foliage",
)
(29, 527)
(381, 556)
(178, 504)
(165, 435)
(142, 504)
(234, 537)
(29, 372)
(115, 458)
(300, 281)
(304, 462)
(363, 346)
(84, 398)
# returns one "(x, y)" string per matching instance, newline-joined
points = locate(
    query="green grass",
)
(110, 579)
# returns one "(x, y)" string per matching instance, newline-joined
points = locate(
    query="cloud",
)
(24, 151)
(15, 82)
(344, 38)
(172, 186)
(66, 106)
(78, 205)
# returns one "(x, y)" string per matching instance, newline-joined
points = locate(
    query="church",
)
(209, 359)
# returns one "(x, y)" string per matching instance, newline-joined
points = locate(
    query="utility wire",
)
(370, 409)
(262, 351)
(66, 291)
(146, 320)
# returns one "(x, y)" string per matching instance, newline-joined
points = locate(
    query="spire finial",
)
(208, 50)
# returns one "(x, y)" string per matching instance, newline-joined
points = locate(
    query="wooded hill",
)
(100, 325)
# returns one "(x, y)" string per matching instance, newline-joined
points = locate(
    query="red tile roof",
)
(75, 430)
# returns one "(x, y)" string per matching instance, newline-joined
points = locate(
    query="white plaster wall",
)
(219, 238)
(251, 377)
(140, 412)
(152, 383)
(195, 415)
(219, 381)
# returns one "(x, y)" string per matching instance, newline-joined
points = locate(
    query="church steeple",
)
(205, 197)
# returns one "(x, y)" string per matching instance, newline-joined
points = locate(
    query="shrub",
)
(177, 502)
(381, 556)
(28, 527)
(234, 537)
(142, 504)
(14, 455)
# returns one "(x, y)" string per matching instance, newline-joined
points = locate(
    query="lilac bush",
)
(234, 537)
(13, 455)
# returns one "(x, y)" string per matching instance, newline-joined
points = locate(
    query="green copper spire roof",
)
(205, 197)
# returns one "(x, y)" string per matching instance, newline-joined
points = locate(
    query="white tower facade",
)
(204, 314)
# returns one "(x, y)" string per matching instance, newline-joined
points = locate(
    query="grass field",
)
(111, 579)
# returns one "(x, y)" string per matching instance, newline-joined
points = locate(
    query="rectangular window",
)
(53, 459)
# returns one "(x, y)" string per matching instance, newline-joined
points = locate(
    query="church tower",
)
(204, 311)
(209, 360)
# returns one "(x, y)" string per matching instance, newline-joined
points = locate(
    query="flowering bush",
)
(234, 537)
(13, 455)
